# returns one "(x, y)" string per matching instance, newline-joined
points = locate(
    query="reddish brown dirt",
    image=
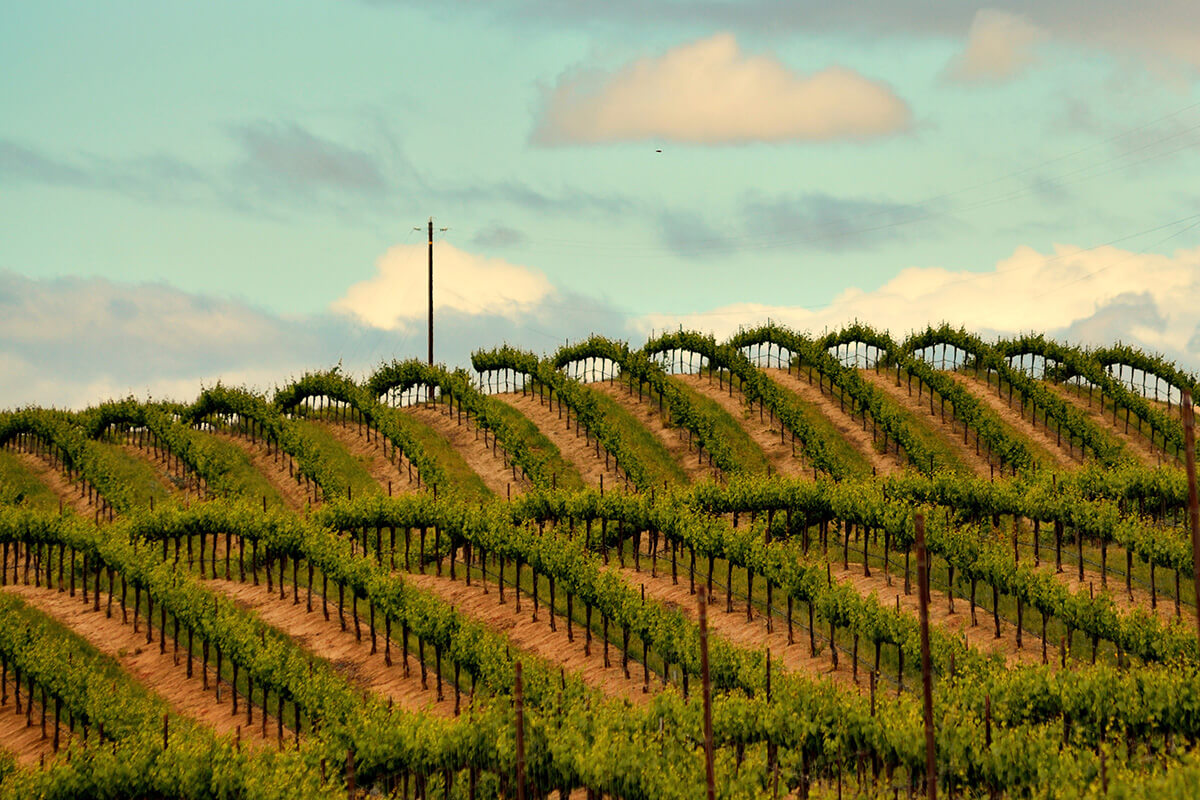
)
(764, 433)
(1011, 417)
(1139, 597)
(535, 637)
(26, 743)
(370, 454)
(573, 446)
(847, 426)
(350, 657)
(646, 412)
(276, 472)
(164, 471)
(67, 492)
(981, 636)
(144, 663)
(752, 635)
(468, 441)
(1135, 444)
(899, 394)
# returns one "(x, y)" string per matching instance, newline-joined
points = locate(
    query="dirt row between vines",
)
(158, 672)
(575, 448)
(175, 485)
(534, 635)
(1136, 444)
(25, 742)
(762, 431)
(981, 636)
(370, 454)
(272, 467)
(57, 482)
(468, 441)
(349, 656)
(645, 411)
(796, 657)
(1011, 417)
(850, 428)
(900, 395)
(1124, 600)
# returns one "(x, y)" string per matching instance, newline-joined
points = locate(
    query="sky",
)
(238, 192)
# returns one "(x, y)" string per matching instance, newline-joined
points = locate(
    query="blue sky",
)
(195, 192)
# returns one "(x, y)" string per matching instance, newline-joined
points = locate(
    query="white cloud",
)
(709, 92)
(74, 342)
(1094, 296)
(399, 292)
(999, 46)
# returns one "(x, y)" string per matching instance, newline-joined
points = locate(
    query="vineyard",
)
(774, 566)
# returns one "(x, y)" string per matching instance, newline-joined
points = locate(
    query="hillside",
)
(332, 587)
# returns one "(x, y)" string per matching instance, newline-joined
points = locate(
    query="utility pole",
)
(431, 286)
(431, 291)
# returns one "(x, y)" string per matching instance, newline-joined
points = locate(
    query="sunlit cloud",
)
(710, 92)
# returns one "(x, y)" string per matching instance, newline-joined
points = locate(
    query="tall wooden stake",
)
(519, 704)
(926, 669)
(431, 291)
(1189, 443)
(702, 597)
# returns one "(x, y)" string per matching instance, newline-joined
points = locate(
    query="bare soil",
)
(966, 454)
(796, 657)
(532, 633)
(847, 426)
(574, 447)
(370, 454)
(351, 657)
(275, 471)
(762, 430)
(981, 636)
(67, 492)
(158, 672)
(1136, 444)
(646, 412)
(25, 742)
(491, 466)
(1127, 600)
(1011, 417)
(163, 470)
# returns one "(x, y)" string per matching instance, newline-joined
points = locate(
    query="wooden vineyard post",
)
(1189, 442)
(926, 676)
(519, 707)
(702, 596)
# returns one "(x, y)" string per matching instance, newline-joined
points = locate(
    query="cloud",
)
(289, 157)
(831, 223)
(498, 236)
(154, 178)
(709, 92)
(73, 342)
(398, 293)
(21, 163)
(1158, 31)
(813, 220)
(1091, 296)
(283, 168)
(999, 47)
(565, 201)
(688, 234)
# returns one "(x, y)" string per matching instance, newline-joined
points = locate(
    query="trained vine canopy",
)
(814, 648)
